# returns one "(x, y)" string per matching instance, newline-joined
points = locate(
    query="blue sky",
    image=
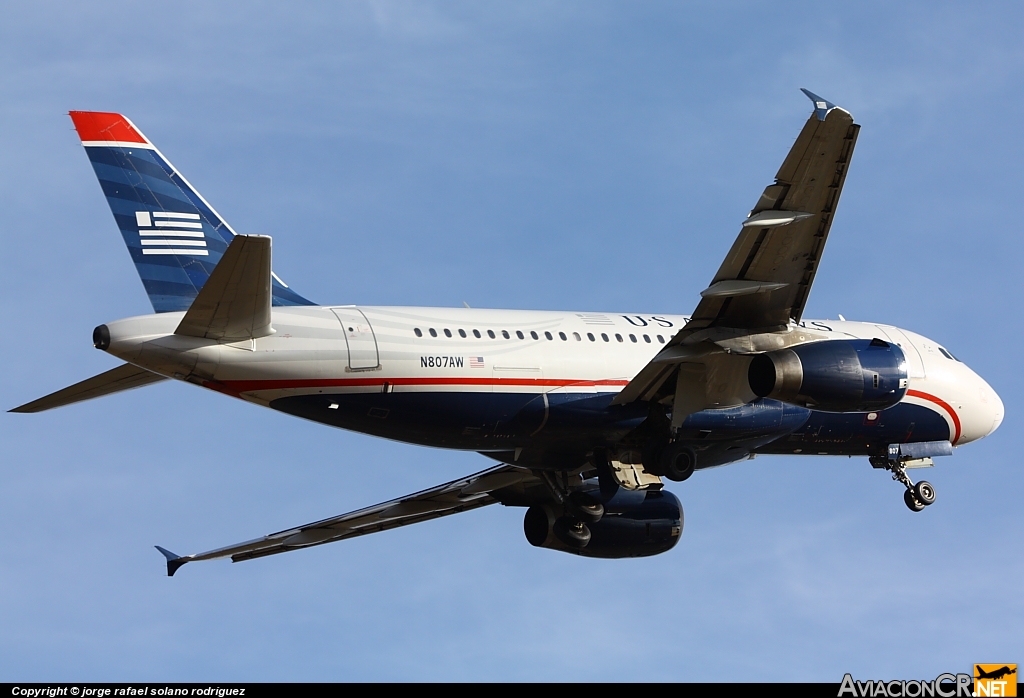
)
(587, 156)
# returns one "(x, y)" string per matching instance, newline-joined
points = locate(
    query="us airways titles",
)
(655, 320)
(639, 321)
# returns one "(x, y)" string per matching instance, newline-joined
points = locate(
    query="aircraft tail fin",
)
(125, 377)
(174, 236)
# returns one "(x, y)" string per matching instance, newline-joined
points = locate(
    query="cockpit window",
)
(948, 355)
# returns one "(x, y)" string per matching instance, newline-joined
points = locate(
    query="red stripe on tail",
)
(105, 126)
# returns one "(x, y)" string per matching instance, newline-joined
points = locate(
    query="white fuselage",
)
(395, 350)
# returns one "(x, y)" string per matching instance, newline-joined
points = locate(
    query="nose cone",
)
(997, 411)
(984, 411)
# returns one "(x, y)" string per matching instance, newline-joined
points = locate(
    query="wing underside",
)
(468, 493)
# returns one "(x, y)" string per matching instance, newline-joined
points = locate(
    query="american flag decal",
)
(476, 362)
(163, 232)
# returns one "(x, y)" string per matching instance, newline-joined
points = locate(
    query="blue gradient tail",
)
(175, 238)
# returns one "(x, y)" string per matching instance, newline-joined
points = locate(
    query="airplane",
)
(584, 415)
(996, 673)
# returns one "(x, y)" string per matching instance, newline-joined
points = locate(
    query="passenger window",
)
(490, 333)
(604, 336)
(433, 332)
(577, 336)
(618, 337)
(418, 332)
(561, 335)
(534, 335)
(462, 333)
(504, 333)
(519, 333)
(548, 335)
(647, 339)
(476, 333)
(661, 339)
(632, 338)
(447, 332)
(590, 336)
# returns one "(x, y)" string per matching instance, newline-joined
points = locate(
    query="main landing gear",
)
(581, 508)
(916, 497)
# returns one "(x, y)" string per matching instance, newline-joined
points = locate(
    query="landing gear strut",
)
(916, 497)
(580, 508)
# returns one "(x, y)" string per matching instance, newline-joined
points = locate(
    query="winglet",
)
(173, 561)
(821, 106)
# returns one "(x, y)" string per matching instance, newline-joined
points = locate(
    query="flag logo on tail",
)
(165, 232)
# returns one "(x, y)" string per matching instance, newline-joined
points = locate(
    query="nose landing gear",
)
(916, 497)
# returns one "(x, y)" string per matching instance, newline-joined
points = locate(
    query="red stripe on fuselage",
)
(944, 405)
(247, 386)
(105, 126)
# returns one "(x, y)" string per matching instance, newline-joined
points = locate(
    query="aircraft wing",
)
(765, 279)
(124, 377)
(471, 492)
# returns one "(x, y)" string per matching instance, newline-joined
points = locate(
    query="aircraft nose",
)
(989, 407)
(979, 408)
(997, 411)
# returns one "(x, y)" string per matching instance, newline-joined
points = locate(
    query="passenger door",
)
(362, 343)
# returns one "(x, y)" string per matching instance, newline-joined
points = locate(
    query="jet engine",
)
(844, 375)
(649, 523)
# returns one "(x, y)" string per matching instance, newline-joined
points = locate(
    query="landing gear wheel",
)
(571, 532)
(912, 502)
(678, 462)
(918, 496)
(585, 507)
(924, 492)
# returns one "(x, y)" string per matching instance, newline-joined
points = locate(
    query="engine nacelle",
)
(842, 375)
(650, 526)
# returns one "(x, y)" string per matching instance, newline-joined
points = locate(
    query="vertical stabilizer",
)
(174, 236)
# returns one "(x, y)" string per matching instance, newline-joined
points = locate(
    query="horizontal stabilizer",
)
(234, 304)
(116, 380)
